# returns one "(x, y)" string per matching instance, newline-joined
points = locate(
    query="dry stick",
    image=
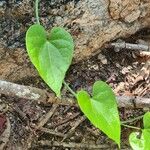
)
(72, 145)
(123, 101)
(63, 126)
(64, 121)
(42, 122)
(44, 119)
(39, 95)
(122, 45)
(21, 114)
(133, 102)
(21, 91)
(72, 130)
(95, 133)
(144, 53)
(16, 109)
(63, 101)
(49, 131)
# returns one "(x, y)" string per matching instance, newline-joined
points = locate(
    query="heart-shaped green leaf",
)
(101, 109)
(51, 53)
(142, 143)
(146, 120)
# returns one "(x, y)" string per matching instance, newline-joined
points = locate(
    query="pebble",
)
(118, 65)
(95, 67)
(126, 70)
(103, 59)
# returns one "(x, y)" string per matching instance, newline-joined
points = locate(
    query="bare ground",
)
(66, 128)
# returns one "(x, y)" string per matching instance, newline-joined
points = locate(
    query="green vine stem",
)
(132, 127)
(37, 11)
(69, 89)
(131, 120)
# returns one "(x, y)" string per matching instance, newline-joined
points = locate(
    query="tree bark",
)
(91, 22)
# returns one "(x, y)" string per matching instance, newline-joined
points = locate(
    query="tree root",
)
(72, 145)
(41, 96)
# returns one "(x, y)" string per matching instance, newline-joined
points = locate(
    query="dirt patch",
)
(119, 69)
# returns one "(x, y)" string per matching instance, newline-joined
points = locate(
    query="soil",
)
(119, 69)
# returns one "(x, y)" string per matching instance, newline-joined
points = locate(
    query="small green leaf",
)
(51, 53)
(101, 109)
(135, 142)
(146, 120)
(142, 143)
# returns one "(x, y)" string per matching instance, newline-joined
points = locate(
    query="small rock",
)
(118, 65)
(95, 67)
(134, 55)
(129, 67)
(135, 64)
(125, 70)
(102, 58)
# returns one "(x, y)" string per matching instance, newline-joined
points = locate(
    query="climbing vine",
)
(51, 53)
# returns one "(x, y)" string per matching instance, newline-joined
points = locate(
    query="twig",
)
(95, 133)
(133, 102)
(21, 114)
(72, 130)
(49, 131)
(122, 45)
(123, 101)
(44, 119)
(63, 127)
(144, 53)
(42, 122)
(31, 93)
(72, 145)
(64, 121)
(21, 91)
(63, 101)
